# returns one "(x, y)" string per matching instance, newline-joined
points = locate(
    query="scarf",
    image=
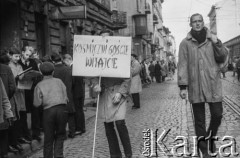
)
(200, 36)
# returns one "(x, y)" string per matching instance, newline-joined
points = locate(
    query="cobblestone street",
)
(162, 109)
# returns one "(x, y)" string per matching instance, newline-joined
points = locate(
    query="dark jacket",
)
(5, 107)
(65, 74)
(151, 68)
(78, 87)
(238, 64)
(8, 80)
(29, 93)
(110, 86)
(157, 69)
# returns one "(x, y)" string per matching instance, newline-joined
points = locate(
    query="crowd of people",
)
(24, 98)
(39, 95)
(157, 71)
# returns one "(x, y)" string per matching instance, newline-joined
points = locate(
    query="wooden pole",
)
(95, 130)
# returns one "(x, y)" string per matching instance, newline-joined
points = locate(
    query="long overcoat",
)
(136, 84)
(198, 69)
(110, 86)
(18, 99)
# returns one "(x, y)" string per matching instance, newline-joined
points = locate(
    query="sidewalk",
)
(231, 78)
(89, 112)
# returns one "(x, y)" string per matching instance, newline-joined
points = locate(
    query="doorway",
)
(41, 30)
(9, 24)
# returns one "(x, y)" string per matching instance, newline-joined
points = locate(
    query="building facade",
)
(139, 25)
(234, 47)
(164, 43)
(228, 19)
(159, 34)
(49, 25)
(225, 23)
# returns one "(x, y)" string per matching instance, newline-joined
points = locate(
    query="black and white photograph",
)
(119, 78)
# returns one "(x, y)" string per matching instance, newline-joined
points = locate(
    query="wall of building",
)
(9, 24)
(228, 19)
(234, 47)
(141, 44)
(36, 28)
(129, 6)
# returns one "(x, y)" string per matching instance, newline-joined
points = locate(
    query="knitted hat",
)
(46, 68)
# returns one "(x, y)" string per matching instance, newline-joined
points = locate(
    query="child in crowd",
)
(52, 95)
(20, 126)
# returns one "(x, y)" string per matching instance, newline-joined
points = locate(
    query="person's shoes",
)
(80, 132)
(38, 138)
(12, 149)
(206, 155)
(18, 147)
(135, 107)
(3, 156)
(94, 104)
(28, 138)
(71, 135)
(24, 141)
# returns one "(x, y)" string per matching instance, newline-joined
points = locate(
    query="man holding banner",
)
(113, 88)
(112, 106)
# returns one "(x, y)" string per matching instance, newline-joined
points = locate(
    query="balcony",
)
(140, 24)
(119, 19)
(105, 3)
(147, 8)
(154, 1)
(155, 19)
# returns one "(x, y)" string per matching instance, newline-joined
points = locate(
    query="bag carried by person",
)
(224, 66)
(219, 57)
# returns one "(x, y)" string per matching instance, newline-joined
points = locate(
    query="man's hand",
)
(97, 88)
(117, 98)
(214, 39)
(183, 94)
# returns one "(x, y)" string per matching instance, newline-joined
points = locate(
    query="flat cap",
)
(134, 55)
(46, 67)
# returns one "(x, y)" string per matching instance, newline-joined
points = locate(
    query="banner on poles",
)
(108, 56)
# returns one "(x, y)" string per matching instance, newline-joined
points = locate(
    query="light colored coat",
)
(18, 99)
(164, 69)
(198, 69)
(136, 84)
(110, 86)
